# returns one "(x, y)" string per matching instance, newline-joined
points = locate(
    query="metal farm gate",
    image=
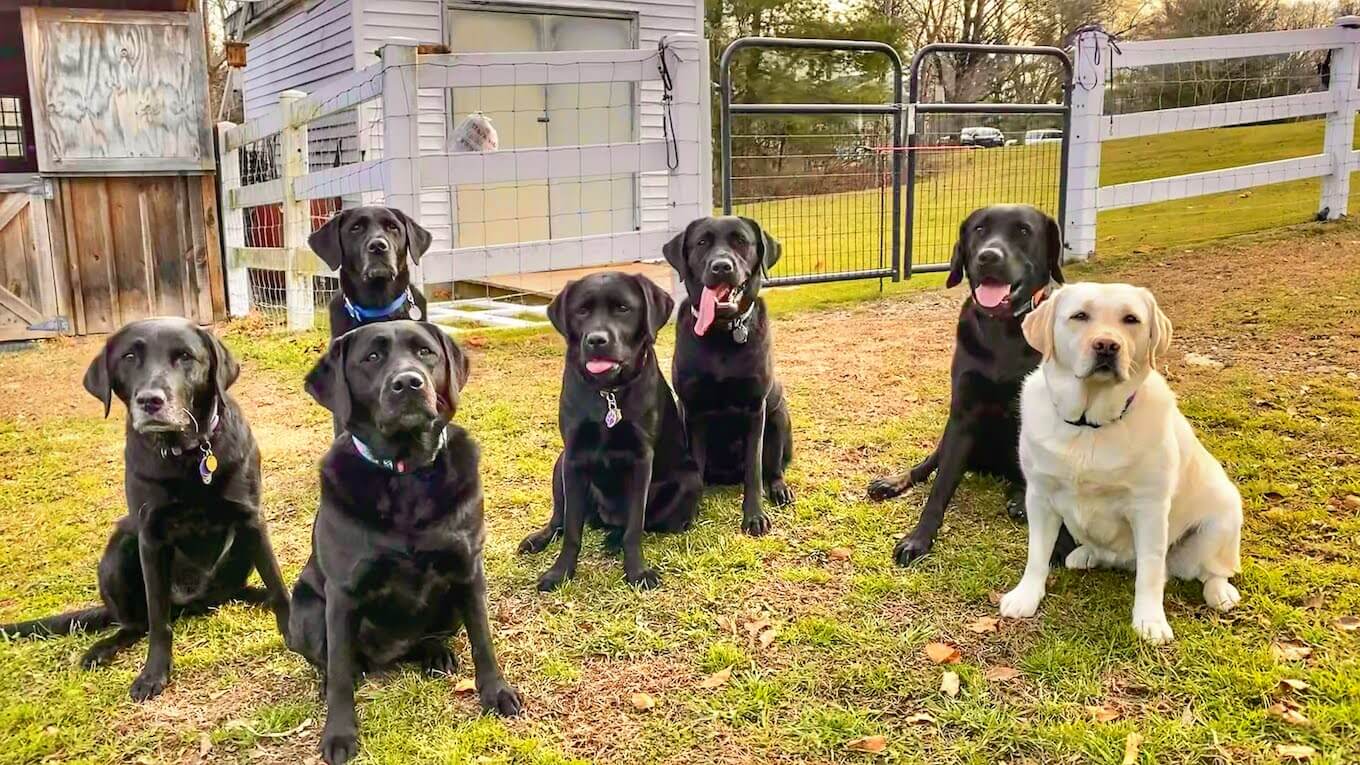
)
(826, 179)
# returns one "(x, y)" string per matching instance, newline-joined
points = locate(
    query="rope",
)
(667, 118)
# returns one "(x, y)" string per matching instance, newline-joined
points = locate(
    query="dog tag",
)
(740, 333)
(415, 312)
(614, 416)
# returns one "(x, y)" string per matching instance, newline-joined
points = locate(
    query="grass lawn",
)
(843, 656)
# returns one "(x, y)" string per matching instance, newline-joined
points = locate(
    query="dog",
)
(1011, 256)
(1107, 452)
(624, 463)
(732, 404)
(193, 532)
(396, 565)
(369, 247)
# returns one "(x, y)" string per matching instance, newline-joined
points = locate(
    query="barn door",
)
(28, 285)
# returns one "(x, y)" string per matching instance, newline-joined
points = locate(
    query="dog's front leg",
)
(576, 493)
(1149, 546)
(268, 565)
(340, 737)
(635, 494)
(155, 556)
(953, 459)
(495, 694)
(696, 427)
(1023, 601)
(753, 518)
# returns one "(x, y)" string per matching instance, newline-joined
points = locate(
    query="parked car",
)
(1043, 135)
(981, 137)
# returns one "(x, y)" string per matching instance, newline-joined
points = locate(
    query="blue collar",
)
(364, 315)
(396, 466)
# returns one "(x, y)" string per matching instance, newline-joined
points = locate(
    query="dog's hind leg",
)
(777, 453)
(952, 458)
(121, 585)
(434, 657)
(104, 650)
(1211, 555)
(892, 486)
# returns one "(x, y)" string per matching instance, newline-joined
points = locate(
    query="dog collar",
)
(396, 466)
(364, 315)
(1085, 423)
(738, 326)
(207, 463)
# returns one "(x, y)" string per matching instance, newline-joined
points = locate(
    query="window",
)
(11, 127)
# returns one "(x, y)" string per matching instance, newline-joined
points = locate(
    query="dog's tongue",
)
(990, 295)
(600, 366)
(708, 306)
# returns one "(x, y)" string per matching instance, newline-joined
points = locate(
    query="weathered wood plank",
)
(72, 247)
(130, 276)
(207, 201)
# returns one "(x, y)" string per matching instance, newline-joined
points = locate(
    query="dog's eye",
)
(390, 226)
(374, 356)
(423, 351)
(621, 308)
(739, 241)
(583, 311)
(1131, 319)
(704, 241)
(1024, 231)
(978, 228)
(357, 227)
(1080, 316)
(183, 357)
(129, 356)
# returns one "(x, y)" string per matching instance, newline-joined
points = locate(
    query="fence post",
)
(1337, 142)
(1091, 57)
(401, 132)
(233, 224)
(689, 186)
(297, 221)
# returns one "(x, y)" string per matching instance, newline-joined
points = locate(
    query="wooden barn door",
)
(29, 302)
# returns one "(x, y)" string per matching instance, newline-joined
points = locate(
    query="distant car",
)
(1045, 135)
(981, 137)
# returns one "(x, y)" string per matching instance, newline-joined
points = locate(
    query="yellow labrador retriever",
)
(1105, 451)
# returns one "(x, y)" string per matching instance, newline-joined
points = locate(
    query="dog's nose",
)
(1105, 346)
(404, 381)
(722, 267)
(378, 244)
(989, 256)
(597, 339)
(151, 401)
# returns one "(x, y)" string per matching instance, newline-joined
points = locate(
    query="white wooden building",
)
(306, 45)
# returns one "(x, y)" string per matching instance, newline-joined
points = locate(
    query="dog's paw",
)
(536, 542)
(552, 579)
(437, 660)
(1220, 594)
(646, 579)
(149, 684)
(1081, 559)
(755, 524)
(339, 746)
(1015, 507)
(1022, 602)
(1153, 628)
(98, 656)
(909, 549)
(500, 698)
(886, 488)
(780, 493)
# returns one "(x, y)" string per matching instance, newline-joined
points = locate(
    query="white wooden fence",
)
(1095, 59)
(388, 90)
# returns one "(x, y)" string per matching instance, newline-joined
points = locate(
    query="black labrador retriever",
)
(369, 246)
(1012, 258)
(624, 463)
(396, 564)
(732, 404)
(193, 532)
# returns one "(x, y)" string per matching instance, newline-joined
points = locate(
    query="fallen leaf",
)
(205, 744)
(984, 624)
(1351, 501)
(868, 744)
(642, 701)
(1289, 684)
(1273, 496)
(1288, 712)
(1002, 673)
(994, 597)
(1348, 623)
(838, 553)
(767, 637)
(1299, 752)
(919, 717)
(1315, 601)
(1244, 195)
(943, 653)
(465, 685)
(1289, 650)
(1103, 713)
(755, 627)
(1143, 249)
(717, 679)
(949, 684)
(1187, 716)
(1131, 745)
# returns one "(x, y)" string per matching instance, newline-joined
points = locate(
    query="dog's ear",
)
(326, 382)
(1055, 250)
(676, 253)
(1159, 329)
(97, 377)
(657, 304)
(1038, 326)
(456, 366)
(557, 309)
(417, 238)
(325, 241)
(956, 260)
(224, 368)
(766, 246)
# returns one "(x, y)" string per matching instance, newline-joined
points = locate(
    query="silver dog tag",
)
(740, 333)
(416, 313)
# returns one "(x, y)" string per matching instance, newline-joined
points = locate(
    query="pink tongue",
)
(991, 295)
(708, 305)
(596, 366)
